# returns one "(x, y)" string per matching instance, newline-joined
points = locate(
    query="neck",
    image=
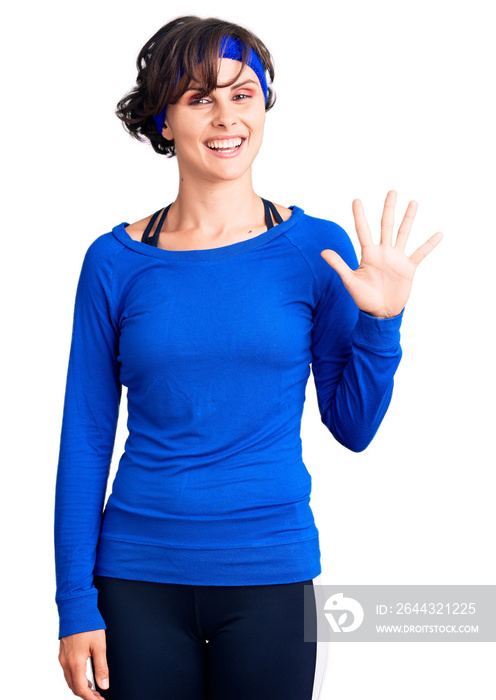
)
(213, 208)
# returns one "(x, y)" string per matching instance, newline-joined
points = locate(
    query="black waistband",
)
(153, 240)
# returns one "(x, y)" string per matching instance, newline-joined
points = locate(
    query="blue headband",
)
(229, 48)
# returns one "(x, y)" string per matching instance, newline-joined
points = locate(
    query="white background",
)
(370, 97)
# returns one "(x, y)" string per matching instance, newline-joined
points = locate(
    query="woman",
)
(210, 312)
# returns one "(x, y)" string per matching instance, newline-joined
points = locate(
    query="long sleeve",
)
(90, 414)
(355, 357)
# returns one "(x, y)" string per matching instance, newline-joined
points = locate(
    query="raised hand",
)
(382, 283)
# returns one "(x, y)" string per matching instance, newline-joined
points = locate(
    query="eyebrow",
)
(233, 87)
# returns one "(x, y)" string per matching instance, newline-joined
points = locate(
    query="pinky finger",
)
(426, 248)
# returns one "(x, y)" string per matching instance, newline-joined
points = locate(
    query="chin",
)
(226, 177)
(225, 171)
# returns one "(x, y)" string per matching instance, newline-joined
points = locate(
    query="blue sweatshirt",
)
(214, 347)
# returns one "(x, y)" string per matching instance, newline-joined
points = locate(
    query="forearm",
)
(363, 393)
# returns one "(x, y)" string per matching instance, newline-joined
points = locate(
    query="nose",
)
(224, 113)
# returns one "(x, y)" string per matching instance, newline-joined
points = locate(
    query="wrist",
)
(380, 316)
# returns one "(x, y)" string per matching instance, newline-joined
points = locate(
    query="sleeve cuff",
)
(79, 615)
(377, 333)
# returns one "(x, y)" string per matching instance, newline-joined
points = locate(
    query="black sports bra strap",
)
(269, 207)
(149, 227)
(277, 216)
(153, 240)
(268, 218)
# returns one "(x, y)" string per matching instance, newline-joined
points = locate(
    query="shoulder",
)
(100, 257)
(310, 236)
(315, 234)
(103, 246)
(283, 211)
(137, 229)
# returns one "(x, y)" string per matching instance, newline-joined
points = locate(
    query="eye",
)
(200, 100)
(239, 97)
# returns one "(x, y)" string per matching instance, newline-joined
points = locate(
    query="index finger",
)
(361, 225)
(426, 248)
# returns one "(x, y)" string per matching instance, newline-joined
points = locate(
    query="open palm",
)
(382, 283)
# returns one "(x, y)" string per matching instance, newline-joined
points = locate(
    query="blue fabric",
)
(214, 347)
(229, 48)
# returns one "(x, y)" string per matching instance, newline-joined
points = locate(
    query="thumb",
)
(337, 263)
(100, 667)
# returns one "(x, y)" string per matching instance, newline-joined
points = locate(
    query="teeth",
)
(225, 144)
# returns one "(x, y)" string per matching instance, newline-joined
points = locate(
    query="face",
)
(222, 118)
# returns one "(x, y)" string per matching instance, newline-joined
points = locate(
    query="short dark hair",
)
(179, 46)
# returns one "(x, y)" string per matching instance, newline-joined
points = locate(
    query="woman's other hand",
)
(74, 653)
(381, 285)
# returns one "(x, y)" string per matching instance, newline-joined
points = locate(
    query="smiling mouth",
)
(229, 146)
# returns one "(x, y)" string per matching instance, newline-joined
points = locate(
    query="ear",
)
(167, 132)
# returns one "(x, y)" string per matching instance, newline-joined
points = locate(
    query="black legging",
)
(157, 646)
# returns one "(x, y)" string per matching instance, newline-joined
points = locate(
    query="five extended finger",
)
(361, 225)
(406, 225)
(426, 248)
(387, 220)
